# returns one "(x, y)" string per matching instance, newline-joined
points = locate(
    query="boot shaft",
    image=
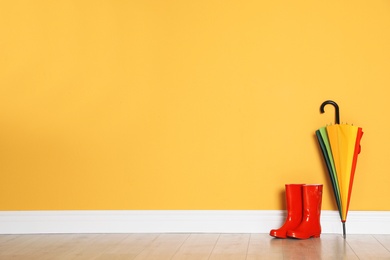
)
(312, 200)
(294, 202)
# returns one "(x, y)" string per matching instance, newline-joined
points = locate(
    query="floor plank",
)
(262, 246)
(384, 240)
(191, 246)
(367, 247)
(129, 247)
(163, 247)
(45, 247)
(77, 246)
(231, 246)
(197, 247)
(334, 247)
(301, 249)
(16, 246)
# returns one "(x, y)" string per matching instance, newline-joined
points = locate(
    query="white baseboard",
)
(179, 221)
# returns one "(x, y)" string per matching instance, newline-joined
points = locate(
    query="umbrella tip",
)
(344, 231)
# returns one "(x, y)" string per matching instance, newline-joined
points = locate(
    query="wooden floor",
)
(191, 246)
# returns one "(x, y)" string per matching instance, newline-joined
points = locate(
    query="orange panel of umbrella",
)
(340, 146)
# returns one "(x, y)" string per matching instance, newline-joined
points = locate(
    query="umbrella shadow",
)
(328, 183)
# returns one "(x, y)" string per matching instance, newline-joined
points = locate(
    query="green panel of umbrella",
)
(340, 146)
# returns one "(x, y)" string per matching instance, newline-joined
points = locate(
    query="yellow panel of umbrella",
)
(340, 147)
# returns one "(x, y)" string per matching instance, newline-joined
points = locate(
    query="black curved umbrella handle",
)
(331, 102)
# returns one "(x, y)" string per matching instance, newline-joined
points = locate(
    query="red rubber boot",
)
(310, 225)
(294, 210)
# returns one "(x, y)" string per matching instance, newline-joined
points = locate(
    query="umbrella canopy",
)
(340, 146)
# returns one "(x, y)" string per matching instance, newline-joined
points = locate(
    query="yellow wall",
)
(187, 104)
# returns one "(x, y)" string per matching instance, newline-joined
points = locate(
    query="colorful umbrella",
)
(340, 146)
